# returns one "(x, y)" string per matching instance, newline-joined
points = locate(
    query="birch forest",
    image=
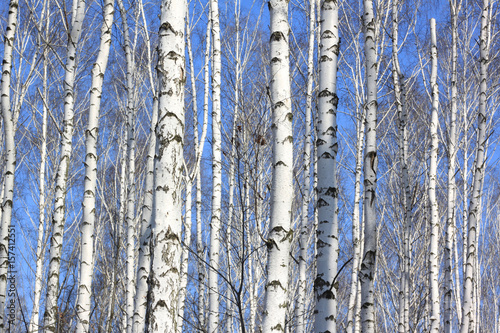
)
(253, 166)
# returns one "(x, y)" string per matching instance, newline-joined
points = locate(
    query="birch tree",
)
(167, 207)
(144, 260)
(474, 213)
(433, 165)
(280, 233)
(89, 200)
(304, 232)
(452, 157)
(10, 150)
(215, 225)
(367, 272)
(58, 219)
(327, 188)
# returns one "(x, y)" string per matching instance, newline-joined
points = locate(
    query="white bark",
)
(280, 233)
(367, 271)
(356, 234)
(474, 214)
(83, 303)
(305, 226)
(169, 162)
(58, 219)
(144, 260)
(10, 156)
(433, 164)
(215, 225)
(40, 253)
(130, 217)
(327, 188)
(452, 156)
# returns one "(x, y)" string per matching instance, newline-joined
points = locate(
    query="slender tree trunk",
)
(144, 261)
(452, 156)
(468, 322)
(199, 234)
(130, 217)
(280, 232)
(215, 225)
(353, 298)
(433, 164)
(58, 219)
(89, 208)
(327, 191)
(10, 155)
(40, 247)
(169, 164)
(367, 271)
(305, 226)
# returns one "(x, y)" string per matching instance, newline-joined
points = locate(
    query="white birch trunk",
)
(399, 92)
(327, 189)
(130, 217)
(169, 164)
(199, 234)
(58, 219)
(10, 155)
(435, 319)
(452, 156)
(469, 306)
(83, 303)
(144, 260)
(367, 271)
(215, 224)
(40, 247)
(305, 227)
(280, 232)
(354, 289)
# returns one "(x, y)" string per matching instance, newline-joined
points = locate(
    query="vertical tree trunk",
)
(58, 219)
(215, 225)
(280, 233)
(90, 184)
(10, 154)
(452, 156)
(399, 92)
(130, 217)
(199, 233)
(40, 253)
(367, 271)
(433, 164)
(169, 164)
(305, 227)
(327, 191)
(144, 261)
(468, 322)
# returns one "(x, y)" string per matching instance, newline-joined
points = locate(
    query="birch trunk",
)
(367, 271)
(144, 261)
(452, 156)
(305, 227)
(10, 155)
(169, 162)
(280, 232)
(89, 208)
(215, 225)
(468, 322)
(327, 191)
(40, 247)
(199, 234)
(435, 319)
(58, 219)
(399, 92)
(130, 217)
(353, 297)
